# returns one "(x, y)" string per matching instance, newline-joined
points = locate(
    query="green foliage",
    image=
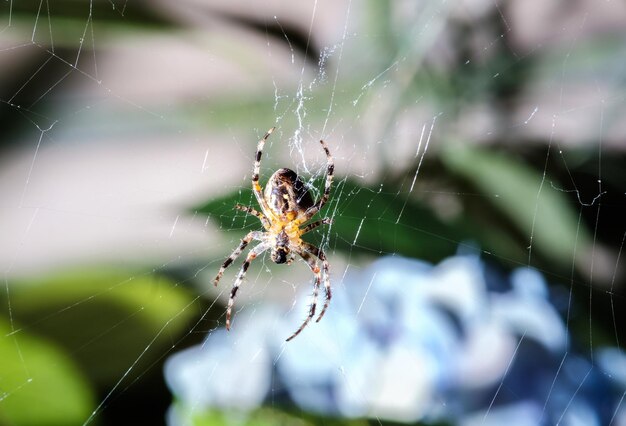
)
(523, 197)
(106, 319)
(67, 17)
(377, 220)
(265, 417)
(367, 220)
(39, 383)
(272, 416)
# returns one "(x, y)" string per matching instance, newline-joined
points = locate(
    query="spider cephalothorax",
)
(286, 204)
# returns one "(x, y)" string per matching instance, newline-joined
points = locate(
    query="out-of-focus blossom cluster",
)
(406, 341)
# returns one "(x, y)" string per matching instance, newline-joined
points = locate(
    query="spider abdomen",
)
(286, 193)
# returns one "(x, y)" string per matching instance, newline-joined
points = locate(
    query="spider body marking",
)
(286, 204)
(287, 195)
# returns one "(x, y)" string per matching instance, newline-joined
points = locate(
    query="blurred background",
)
(478, 208)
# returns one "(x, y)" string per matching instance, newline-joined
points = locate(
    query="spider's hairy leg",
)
(253, 212)
(330, 170)
(316, 285)
(313, 225)
(254, 235)
(242, 273)
(256, 188)
(319, 253)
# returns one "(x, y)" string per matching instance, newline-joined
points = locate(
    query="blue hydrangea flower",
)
(406, 341)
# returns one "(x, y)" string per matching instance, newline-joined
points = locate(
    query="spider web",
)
(466, 135)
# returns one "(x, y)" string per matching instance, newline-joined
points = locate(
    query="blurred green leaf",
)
(538, 211)
(366, 220)
(39, 384)
(68, 17)
(372, 220)
(108, 320)
(263, 417)
(272, 416)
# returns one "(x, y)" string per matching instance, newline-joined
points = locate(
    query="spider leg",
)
(316, 285)
(253, 212)
(242, 273)
(319, 253)
(313, 225)
(330, 169)
(256, 188)
(254, 235)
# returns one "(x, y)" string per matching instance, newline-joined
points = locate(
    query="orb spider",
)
(286, 205)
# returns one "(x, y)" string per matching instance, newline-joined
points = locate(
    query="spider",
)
(286, 205)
